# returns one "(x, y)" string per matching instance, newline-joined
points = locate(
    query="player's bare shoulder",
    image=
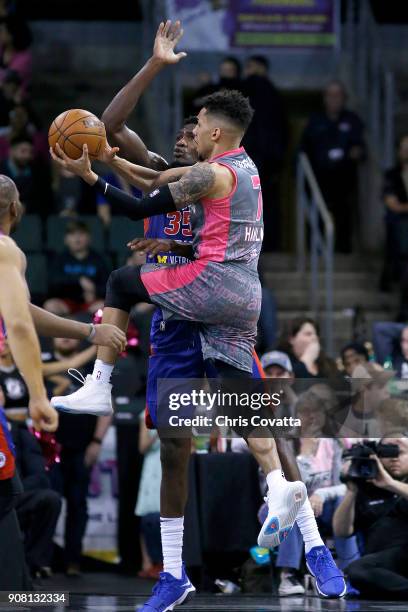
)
(11, 254)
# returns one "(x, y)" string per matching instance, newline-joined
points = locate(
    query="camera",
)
(362, 467)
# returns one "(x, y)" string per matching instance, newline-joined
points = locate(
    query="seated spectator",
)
(302, 343)
(369, 387)
(395, 195)
(15, 54)
(104, 209)
(378, 511)
(148, 503)
(333, 140)
(319, 461)
(392, 416)
(10, 95)
(352, 355)
(78, 275)
(22, 121)
(38, 507)
(32, 177)
(277, 365)
(390, 342)
(266, 141)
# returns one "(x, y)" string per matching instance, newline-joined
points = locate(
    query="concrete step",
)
(271, 262)
(342, 299)
(342, 280)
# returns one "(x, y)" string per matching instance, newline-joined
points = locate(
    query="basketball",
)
(74, 128)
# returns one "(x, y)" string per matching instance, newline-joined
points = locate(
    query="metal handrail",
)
(373, 80)
(312, 212)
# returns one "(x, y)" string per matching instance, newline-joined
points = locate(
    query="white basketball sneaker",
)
(93, 398)
(283, 506)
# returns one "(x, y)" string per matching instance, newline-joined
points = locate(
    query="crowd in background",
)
(369, 544)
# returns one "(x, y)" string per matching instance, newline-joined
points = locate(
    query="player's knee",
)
(174, 453)
(115, 294)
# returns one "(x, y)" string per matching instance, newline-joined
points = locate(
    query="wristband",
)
(96, 440)
(91, 333)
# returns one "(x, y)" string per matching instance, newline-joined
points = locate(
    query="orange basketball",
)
(74, 128)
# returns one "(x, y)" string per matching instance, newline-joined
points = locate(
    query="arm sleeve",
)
(159, 202)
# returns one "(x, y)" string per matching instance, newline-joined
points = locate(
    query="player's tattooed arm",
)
(194, 185)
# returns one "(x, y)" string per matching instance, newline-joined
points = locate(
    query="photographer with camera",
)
(376, 506)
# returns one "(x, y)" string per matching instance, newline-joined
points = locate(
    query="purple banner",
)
(224, 24)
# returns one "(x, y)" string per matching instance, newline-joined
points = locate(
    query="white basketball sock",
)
(275, 480)
(308, 527)
(102, 371)
(172, 530)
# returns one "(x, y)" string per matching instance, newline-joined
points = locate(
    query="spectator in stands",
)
(148, 503)
(78, 275)
(23, 121)
(277, 365)
(301, 342)
(378, 510)
(81, 437)
(266, 141)
(369, 387)
(38, 507)
(352, 355)
(32, 177)
(15, 53)
(229, 77)
(319, 461)
(10, 95)
(395, 195)
(392, 416)
(334, 142)
(391, 346)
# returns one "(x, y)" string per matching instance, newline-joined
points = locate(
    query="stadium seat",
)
(29, 234)
(121, 231)
(56, 229)
(37, 277)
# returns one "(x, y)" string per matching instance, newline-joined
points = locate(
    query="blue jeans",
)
(291, 550)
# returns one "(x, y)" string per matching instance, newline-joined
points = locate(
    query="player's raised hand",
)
(44, 416)
(81, 167)
(150, 246)
(167, 37)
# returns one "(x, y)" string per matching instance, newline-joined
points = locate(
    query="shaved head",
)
(11, 209)
(8, 194)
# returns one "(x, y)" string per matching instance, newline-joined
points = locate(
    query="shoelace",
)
(162, 585)
(325, 560)
(77, 375)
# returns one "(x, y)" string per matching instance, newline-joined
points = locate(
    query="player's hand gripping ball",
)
(74, 128)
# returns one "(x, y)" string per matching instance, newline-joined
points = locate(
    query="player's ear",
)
(216, 133)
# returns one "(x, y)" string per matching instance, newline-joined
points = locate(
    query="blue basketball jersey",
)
(170, 226)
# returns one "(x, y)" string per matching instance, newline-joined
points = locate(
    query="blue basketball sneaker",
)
(329, 579)
(169, 593)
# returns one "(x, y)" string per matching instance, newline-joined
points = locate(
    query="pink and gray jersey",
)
(219, 289)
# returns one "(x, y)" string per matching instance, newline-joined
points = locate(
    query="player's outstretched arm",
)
(124, 103)
(145, 179)
(50, 325)
(24, 345)
(199, 181)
